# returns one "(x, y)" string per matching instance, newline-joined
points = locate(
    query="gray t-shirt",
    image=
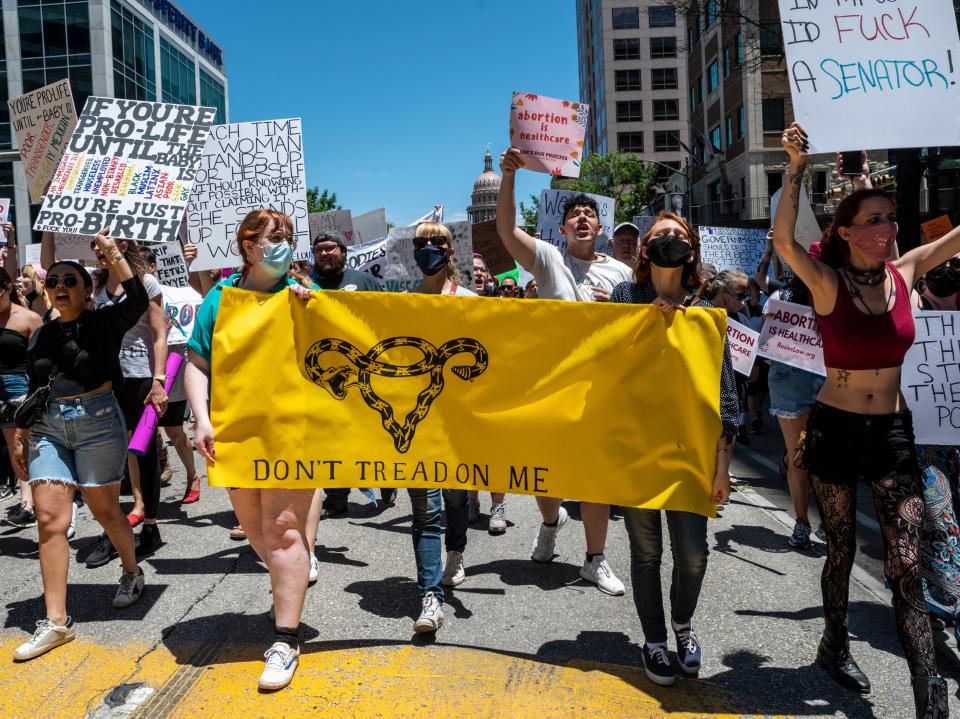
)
(562, 277)
(136, 351)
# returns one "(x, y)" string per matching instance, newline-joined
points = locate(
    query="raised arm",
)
(48, 251)
(920, 260)
(521, 246)
(764, 266)
(11, 261)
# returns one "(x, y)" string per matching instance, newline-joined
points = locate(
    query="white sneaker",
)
(281, 662)
(130, 589)
(47, 636)
(72, 529)
(431, 615)
(546, 540)
(498, 519)
(453, 572)
(314, 569)
(597, 571)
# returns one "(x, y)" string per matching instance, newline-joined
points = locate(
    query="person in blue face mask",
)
(433, 253)
(274, 519)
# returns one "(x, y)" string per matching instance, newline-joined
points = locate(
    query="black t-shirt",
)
(85, 353)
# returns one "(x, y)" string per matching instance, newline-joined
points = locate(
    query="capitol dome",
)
(486, 189)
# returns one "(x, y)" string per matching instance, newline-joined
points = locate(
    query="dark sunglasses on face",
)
(69, 281)
(421, 242)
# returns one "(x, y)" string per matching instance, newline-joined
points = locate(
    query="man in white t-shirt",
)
(578, 275)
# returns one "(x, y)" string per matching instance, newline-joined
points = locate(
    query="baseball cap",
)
(628, 225)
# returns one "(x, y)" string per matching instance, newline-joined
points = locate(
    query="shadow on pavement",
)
(236, 559)
(524, 572)
(85, 603)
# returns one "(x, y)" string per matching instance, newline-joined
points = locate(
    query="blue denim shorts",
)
(792, 391)
(12, 386)
(80, 441)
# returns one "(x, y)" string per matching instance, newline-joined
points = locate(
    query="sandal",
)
(135, 519)
(193, 491)
(237, 533)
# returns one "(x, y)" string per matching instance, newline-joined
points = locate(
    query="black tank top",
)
(13, 352)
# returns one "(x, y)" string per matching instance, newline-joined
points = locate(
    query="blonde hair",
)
(438, 229)
(37, 285)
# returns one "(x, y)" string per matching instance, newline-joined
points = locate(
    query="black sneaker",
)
(6, 493)
(333, 512)
(20, 517)
(689, 653)
(388, 497)
(147, 541)
(102, 553)
(656, 664)
(756, 426)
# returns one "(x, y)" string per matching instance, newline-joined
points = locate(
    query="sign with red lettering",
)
(742, 342)
(548, 132)
(790, 335)
(887, 69)
(930, 380)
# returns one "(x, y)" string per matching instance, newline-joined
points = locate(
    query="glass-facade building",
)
(136, 49)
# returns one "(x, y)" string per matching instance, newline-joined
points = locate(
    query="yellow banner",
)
(615, 404)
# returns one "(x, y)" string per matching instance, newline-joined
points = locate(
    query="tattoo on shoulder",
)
(843, 378)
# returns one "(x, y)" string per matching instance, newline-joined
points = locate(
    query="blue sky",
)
(398, 99)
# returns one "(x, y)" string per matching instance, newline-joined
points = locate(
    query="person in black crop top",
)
(81, 439)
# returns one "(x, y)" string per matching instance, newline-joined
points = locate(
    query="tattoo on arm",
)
(843, 378)
(796, 182)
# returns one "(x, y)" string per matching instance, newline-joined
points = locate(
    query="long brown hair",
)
(251, 227)
(8, 285)
(692, 276)
(834, 250)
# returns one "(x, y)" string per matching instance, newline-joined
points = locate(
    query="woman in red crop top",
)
(860, 429)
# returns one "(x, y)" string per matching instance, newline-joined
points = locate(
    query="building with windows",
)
(486, 189)
(136, 49)
(633, 76)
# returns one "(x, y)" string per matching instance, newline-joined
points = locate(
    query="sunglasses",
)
(421, 242)
(69, 281)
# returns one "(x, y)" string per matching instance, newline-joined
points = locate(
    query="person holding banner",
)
(274, 520)
(668, 275)
(71, 432)
(580, 274)
(860, 428)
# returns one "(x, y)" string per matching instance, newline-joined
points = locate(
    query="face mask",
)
(431, 259)
(875, 241)
(668, 251)
(943, 281)
(277, 258)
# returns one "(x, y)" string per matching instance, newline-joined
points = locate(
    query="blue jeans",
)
(426, 540)
(688, 542)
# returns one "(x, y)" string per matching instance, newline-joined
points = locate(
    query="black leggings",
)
(130, 396)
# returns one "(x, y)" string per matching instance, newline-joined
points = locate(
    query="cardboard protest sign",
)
(43, 120)
(936, 228)
(931, 378)
(400, 270)
(370, 226)
(549, 133)
(369, 257)
(75, 247)
(129, 167)
(732, 248)
(742, 342)
(791, 335)
(807, 229)
(246, 166)
(180, 309)
(5, 209)
(888, 70)
(336, 223)
(171, 266)
(487, 242)
(550, 218)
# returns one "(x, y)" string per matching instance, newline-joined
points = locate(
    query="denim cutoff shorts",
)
(792, 391)
(80, 441)
(12, 386)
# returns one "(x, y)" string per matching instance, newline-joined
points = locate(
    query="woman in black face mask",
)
(433, 253)
(667, 274)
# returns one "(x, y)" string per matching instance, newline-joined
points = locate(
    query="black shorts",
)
(846, 448)
(175, 415)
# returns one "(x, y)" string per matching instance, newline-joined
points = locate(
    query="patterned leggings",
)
(898, 500)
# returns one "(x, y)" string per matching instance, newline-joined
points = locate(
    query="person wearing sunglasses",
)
(433, 253)
(79, 439)
(274, 520)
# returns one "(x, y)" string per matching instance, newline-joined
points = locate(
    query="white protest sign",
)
(32, 255)
(401, 273)
(742, 342)
(370, 226)
(889, 70)
(336, 223)
(129, 167)
(791, 335)
(931, 378)
(807, 229)
(732, 248)
(43, 120)
(550, 218)
(244, 167)
(369, 257)
(171, 267)
(75, 247)
(180, 309)
(5, 209)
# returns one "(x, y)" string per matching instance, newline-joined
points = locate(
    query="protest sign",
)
(742, 342)
(401, 273)
(807, 229)
(370, 226)
(931, 378)
(936, 228)
(548, 132)
(246, 166)
(171, 267)
(336, 223)
(180, 306)
(43, 120)
(32, 254)
(129, 167)
(550, 218)
(643, 223)
(791, 335)
(888, 70)
(732, 248)
(369, 257)
(487, 242)
(5, 209)
(75, 247)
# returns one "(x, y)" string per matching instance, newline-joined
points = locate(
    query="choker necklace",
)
(868, 278)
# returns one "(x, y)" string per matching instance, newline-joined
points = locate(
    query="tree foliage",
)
(318, 201)
(529, 214)
(620, 175)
